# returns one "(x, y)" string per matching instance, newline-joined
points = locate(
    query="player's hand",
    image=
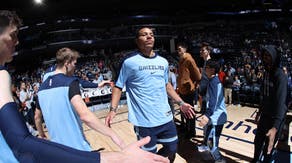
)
(136, 154)
(104, 82)
(188, 111)
(110, 116)
(271, 135)
(203, 120)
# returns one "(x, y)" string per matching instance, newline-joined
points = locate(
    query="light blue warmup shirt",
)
(63, 123)
(145, 80)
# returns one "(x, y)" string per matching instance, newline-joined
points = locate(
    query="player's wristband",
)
(180, 103)
(114, 109)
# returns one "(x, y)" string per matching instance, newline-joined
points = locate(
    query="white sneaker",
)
(203, 148)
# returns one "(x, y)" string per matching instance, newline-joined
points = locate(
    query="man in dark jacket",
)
(273, 110)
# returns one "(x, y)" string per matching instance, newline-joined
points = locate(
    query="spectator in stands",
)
(289, 89)
(172, 81)
(289, 79)
(26, 98)
(253, 76)
(221, 75)
(215, 116)
(84, 83)
(84, 77)
(172, 77)
(260, 76)
(230, 69)
(274, 108)
(62, 90)
(17, 145)
(15, 94)
(98, 78)
(108, 75)
(247, 74)
(239, 72)
(188, 77)
(236, 88)
(228, 83)
(145, 75)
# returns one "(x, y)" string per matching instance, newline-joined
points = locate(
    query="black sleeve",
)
(74, 89)
(281, 84)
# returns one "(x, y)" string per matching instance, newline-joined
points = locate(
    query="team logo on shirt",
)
(151, 67)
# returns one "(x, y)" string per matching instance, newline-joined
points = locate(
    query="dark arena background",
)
(103, 31)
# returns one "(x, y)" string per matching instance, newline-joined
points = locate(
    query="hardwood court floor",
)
(236, 142)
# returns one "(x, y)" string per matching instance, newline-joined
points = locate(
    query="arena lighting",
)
(39, 24)
(234, 13)
(142, 16)
(216, 50)
(274, 10)
(248, 11)
(85, 20)
(39, 2)
(223, 13)
(87, 41)
(24, 27)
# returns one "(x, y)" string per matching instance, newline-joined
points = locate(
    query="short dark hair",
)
(9, 18)
(182, 44)
(207, 45)
(213, 64)
(137, 34)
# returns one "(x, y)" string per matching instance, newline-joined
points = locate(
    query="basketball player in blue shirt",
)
(145, 75)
